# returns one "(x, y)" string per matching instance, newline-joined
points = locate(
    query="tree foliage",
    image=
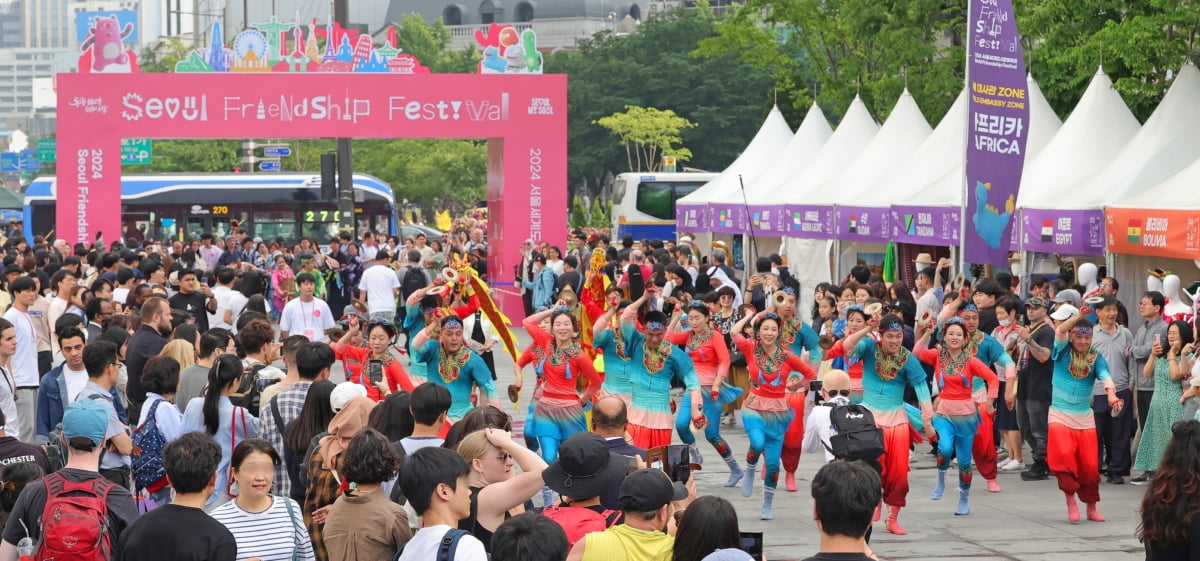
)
(833, 50)
(430, 43)
(652, 67)
(648, 133)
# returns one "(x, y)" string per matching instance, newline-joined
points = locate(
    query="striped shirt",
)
(268, 535)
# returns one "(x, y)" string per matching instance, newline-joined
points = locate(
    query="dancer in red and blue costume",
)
(887, 368)
(766, 413)
(856, 319)
(956, 416)
(991, 352)
(608, 341)
(1072, 450)
(797, 337)
(706, 347)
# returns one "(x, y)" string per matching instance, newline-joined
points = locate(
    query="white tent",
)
(899, 137)
(1164, 146)
(1097, 129)
(763, 149)
(943, 198)
(813, 133)
(852, 136)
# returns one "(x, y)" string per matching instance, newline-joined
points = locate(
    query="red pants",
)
(895, 464)
(793, 439)
(646, 439)
(1074, 459)
(984, 450)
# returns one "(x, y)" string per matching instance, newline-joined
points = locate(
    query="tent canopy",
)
(763, 149)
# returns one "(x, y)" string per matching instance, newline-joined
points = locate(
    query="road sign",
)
(277, 152)
(45, 150)
(269, 165)
(29, 160)
(136, 151)
(10, 162)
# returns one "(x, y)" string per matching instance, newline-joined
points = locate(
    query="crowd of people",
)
(152, 388)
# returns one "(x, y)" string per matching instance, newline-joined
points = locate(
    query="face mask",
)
(1005, 322)
(775, 271)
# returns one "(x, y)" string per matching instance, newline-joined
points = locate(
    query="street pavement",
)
(1026, 521)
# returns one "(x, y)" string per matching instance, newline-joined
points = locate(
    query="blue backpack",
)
(148, 442)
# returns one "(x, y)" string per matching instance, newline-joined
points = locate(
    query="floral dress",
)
(1165, 409)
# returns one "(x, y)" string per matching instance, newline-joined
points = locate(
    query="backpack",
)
(56, 444)
(75, 528)
(578, 521)
(447, 548)
(414, 280)
(249, 394)
(148, 442)
(857, 436)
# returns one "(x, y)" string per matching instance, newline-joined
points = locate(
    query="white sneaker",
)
(1003, 465)
(1013, 466)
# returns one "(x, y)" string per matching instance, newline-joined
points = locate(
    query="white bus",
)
(645, 202)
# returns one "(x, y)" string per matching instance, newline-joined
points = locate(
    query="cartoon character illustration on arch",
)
(103, 51)
(507, 50)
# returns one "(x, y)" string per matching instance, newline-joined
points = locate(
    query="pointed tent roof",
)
(813, 133)
(766, 145)
(1164, 146)
(900, 136)
(948, 189)
(940, 151)
(853, 134)
(1178, 192)
(1097, 129)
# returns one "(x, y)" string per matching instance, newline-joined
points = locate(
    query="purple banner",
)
(926, 225)
(727, 218)
(690, 218)
(769, 220)
(1074, 232)
(997, 128)
(866, 224)
(809, 221)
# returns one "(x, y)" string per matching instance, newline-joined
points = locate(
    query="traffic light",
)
(329, 177)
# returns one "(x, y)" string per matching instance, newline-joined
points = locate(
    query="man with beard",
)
(146, 342)
(450, 363)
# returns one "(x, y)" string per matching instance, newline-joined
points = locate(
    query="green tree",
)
(652, 67)
(846, 48)
(196, 156)
(162, 55)
(1139, 43)
(647, 133)
(430, 43)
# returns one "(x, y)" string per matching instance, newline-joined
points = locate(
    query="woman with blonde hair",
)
(184, 352)
(495, 491)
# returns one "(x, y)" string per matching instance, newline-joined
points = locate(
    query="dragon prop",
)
(465, 281)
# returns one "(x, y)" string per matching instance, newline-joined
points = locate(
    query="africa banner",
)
(997, 128)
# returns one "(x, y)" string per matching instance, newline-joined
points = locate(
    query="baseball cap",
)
(1064, 312)
(1035, 302)
(87, 418)
(1069, 295)
(344, 392)
(10, 269)
(584, 468)
(650, 489)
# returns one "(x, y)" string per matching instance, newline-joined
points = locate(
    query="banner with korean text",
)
(997, 128)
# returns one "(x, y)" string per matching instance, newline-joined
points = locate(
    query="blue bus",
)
(169, 206)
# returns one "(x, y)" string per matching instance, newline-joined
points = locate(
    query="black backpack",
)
(857, 436)
(249, 391)
(414, 280)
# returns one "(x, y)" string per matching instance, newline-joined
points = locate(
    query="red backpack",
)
(75, 520)
(578, 521)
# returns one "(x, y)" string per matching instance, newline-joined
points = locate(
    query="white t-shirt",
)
(120, 294)
(380, 283)
(310, 319)
(76, 380)
(424, 546)
(221, 294)
(24, 361)
(8, 403)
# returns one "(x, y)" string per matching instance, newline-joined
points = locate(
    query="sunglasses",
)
(843, 393)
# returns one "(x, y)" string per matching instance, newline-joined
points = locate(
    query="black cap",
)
(650, 489)
(585, 468)
(538, 257)
(10, 269)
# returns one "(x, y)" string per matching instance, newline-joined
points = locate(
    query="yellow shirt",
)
(625, 543)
